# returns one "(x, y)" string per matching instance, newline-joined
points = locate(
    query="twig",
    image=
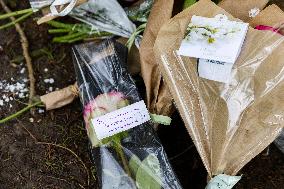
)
(25, 47)
(61, 179)
(62, 147)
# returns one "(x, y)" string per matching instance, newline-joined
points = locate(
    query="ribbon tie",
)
(66, 10)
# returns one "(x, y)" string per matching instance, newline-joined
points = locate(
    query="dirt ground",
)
(52, 151)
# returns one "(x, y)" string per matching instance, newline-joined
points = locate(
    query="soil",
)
(52, 151)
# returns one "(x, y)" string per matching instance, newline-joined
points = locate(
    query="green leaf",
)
(160, 119)
(134, 164)
(148, 175)
(188, 3)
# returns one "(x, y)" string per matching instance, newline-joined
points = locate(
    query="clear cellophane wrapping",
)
(229, 123)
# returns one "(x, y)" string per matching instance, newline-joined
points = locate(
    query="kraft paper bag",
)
(159, 101)
(226, 138)
(241, 8)
(271, 16)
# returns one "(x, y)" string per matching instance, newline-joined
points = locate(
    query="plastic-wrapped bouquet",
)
(140, 11)
(106, 16)
(124, 147)
(100, 19)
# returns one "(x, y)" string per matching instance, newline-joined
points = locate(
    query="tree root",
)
(61, 147)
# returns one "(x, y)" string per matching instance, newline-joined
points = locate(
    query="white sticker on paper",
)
(214, 39)
(121, 120)
(223, 181)
(215, 70)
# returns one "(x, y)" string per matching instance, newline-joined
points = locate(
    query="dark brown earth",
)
(27, 163)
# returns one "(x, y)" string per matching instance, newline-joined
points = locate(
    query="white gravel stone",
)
(23, 70)
(31, 120)
(41, 111)
(51, 80)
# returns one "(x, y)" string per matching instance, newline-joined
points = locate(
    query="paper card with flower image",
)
(214, 39)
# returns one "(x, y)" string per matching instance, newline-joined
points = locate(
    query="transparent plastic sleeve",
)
(131, 159)
(106, 16)
(100, 15)
(280, 141)
(38, 4)
(230, 122)
(140, 11)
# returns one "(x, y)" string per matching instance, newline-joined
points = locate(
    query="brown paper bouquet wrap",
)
(241, 8)
(60, 98)
(159, 101)
(229, 123)
(270, 16)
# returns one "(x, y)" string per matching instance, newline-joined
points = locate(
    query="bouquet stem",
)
(16, 13)
(74, 32)
(16, 21)
(119, 151)
(17, 114)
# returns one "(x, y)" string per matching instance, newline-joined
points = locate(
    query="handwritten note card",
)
(121, 120)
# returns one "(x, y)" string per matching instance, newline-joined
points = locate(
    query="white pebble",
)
(46, 80)
(11, 88)
(51, 80)
(23, 70)
(45, 70)
(40, 111)
(50, 89)
(31, 120)
(21, 95)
